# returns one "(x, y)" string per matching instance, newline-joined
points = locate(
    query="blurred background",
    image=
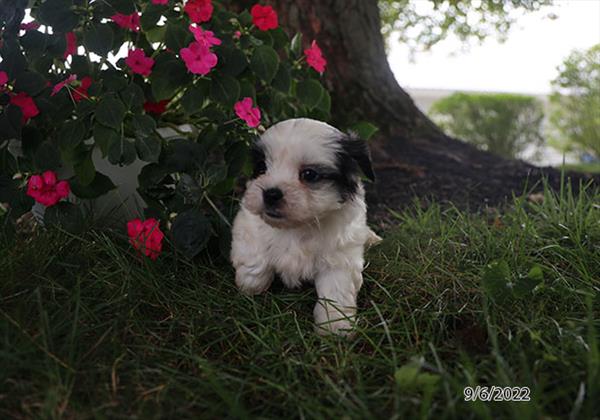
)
(529, 90)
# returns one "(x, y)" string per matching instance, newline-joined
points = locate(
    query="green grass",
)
(88, 330)
(589, 168)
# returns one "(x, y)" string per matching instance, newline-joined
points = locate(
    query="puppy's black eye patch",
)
(259, 165)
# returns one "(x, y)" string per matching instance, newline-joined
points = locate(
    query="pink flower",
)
(139, 63)
(264, 17)
(71, 45)
(46, 189)
(160, 2)
(131, 22)
(29, 26)
(156, 107)
(27, 105)
(81, 92)
(244, 110)
(205, 38)
(146, 236)
(237, 35)
(199, 10)
(3, 78)
(198, 58)
(57, 87)
(314, 57)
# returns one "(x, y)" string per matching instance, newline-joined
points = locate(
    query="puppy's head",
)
(304, 170)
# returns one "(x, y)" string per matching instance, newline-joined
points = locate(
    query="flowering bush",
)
(123, 77)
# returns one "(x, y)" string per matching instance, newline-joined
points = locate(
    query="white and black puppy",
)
(303, 217)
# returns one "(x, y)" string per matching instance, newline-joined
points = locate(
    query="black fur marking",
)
(259, 164)
(352, 158)
(358, 150)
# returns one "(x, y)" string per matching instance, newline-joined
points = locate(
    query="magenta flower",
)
(204, 37)
(71, 44)
(314, 57)
(3, 78)
(29, 26)
(199, 10)
(146, 236)
(160, 2)
(198, 58)
(264, 17)
(131, 22)
(57, 87)
(46, 189)
(246, 112)
(139, 63)
(28, 107)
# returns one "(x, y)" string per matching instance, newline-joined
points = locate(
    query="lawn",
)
(89, 330)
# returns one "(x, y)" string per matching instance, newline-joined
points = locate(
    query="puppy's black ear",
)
(358, 150)
(258, 159)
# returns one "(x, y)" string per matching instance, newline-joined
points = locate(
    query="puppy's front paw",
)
(251, 282)
(329, 320)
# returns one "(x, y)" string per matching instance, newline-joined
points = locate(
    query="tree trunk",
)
(412, 156)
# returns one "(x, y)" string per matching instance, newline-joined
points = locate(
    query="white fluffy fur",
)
(319, 238)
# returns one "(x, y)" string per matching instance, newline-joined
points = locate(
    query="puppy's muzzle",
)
(272, 197)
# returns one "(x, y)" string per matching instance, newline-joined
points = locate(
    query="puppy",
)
(303, 217)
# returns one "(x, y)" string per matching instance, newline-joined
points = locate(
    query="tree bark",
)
(412, 156)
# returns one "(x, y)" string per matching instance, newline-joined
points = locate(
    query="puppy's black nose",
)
(272, 196)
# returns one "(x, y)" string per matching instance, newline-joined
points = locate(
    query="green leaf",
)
(168, 76)
(47, 157)
(264, 63)
(525, 285)
(495, 281)
(125, 7)
(58, 14)
(104, 137)
(296, 44)
(233, 61)
(122, 152)
(65, 215)
(280, 38)
(110, 112)
(225, 90)
(148, 148)
(192, 100)
(143, 125)
(133, 97)
(325, 103)
(191, 231)
(99, 38)
(236, 156)
(406, 377)
(71, 134)
(309, 92)
(84, 169)
(30, 82)
(156, 34)
(409, 378)
(151, 16)
(98, 187)
(365, 130)
(247, 90)
(113, 80)
(283, 80)
(177, 37)
(10, 123)
(35, 42)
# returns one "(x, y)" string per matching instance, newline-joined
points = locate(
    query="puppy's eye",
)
(309, 175)
(260, 168)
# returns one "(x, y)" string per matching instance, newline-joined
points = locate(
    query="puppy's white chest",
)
(294, 258)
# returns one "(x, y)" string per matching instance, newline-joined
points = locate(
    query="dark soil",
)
(448, 171)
